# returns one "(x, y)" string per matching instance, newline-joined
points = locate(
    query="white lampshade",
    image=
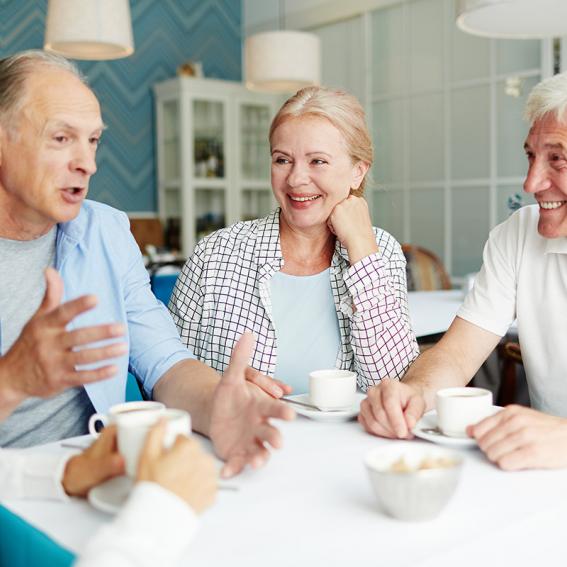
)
(89, 29)
(282, 61)
(513, 19)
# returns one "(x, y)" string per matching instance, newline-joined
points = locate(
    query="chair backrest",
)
(424, 270)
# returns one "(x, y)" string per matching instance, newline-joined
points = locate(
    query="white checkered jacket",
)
(224, 290)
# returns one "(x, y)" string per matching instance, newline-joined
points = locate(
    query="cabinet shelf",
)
(204, 126)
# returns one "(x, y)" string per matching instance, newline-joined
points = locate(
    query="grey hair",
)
(15, 69)
(548, 97)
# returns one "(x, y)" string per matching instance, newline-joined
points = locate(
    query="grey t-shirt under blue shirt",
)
(22, 286)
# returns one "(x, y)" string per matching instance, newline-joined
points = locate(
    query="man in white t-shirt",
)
(524, 276)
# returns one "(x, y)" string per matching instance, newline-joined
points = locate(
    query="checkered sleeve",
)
(382, 339)
(187, 302)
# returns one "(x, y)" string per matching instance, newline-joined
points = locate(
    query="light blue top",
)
(96, 253)
(307, 327)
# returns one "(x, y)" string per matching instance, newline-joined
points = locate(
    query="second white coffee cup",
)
(125, 408)
(133, 428)
(457, 408)
(332, 389)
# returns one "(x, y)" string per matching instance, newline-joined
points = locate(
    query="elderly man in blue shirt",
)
(76, 309)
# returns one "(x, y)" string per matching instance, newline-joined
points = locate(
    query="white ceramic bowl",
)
(417, 495)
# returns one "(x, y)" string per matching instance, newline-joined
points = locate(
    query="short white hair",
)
(548, 97)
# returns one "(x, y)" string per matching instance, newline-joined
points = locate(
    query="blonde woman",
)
(314, 281)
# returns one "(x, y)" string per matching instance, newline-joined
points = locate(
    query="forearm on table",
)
(189, 385)
(453, 361)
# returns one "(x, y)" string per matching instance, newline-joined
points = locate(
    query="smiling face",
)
(546, 150)
(311, 171)
(48, 156)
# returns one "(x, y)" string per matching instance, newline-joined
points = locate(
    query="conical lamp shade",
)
(89, 29)
(282, 61)
(514, 19)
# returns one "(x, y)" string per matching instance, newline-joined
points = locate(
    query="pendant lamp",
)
(513, 19)
(89, 29)
(282, 60)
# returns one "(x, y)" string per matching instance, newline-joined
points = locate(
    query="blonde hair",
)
(548, 97)
(342, 110)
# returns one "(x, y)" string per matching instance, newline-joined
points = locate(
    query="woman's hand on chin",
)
(350, 222)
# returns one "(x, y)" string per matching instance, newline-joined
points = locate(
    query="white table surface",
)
(313, 503)
(432, 312)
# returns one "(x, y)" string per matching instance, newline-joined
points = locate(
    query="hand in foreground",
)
(391, 410)
(42, 362)
(350, 222)
(522, 438)
(100, 462)
(271, 386)
(240, 415)
(184, 469)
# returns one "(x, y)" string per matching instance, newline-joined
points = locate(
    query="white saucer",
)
(111, 495)
(429, 421)
(328, 416)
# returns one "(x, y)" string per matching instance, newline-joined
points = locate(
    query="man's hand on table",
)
(100, 462)
(184, 469)
(239, 427)
(391, 409)
(43, 360)
(522, 438)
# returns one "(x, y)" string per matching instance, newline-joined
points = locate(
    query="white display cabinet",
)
(213, 156)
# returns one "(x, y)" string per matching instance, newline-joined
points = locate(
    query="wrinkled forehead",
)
(59, 95)
(547, 128)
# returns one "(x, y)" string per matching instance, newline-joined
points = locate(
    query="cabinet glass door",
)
(254, 144)
(256, 203)
(210, 213)
(208, 139)
(171, 145)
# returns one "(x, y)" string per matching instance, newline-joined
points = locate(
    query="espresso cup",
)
(457, 408)
(127, 407)
(333, 389)
(133, 428)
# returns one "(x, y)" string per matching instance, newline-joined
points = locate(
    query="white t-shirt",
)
(524, 276)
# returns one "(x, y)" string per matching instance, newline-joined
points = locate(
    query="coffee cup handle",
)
(96, 417)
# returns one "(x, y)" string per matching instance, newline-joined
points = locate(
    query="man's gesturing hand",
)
(43, 361)
(240, 425)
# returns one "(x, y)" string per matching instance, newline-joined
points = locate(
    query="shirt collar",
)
(556, 245)
(69, 235)
(268, 248)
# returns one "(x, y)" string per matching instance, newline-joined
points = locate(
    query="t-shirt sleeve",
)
(491, 304)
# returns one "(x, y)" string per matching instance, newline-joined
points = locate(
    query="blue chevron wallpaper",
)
(166, 33)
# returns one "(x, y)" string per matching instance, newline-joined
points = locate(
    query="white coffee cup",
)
(133, 428)
(126, 407)
(457, 408)
(332, 389)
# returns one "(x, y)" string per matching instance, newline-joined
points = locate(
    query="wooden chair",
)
(510, 354)
(424, 270)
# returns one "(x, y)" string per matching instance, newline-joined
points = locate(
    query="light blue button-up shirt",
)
(97, 254)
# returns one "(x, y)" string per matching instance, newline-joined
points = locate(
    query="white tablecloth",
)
(313, 503)
(432, 312)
